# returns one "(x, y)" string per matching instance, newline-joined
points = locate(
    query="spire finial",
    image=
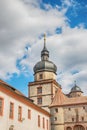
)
(44, 39)
(75, 82)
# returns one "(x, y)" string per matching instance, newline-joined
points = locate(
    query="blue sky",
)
(22, 25)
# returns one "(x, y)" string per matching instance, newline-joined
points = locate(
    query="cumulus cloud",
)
(22, 23)
(68, 50)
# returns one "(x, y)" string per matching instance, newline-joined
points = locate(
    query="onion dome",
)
(76, 89)
(45, 64)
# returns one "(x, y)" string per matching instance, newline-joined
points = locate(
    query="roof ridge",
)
(59, 98)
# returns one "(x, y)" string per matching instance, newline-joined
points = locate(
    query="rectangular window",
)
(41, 76)
(19, 113)
(69, 109)
(56, 110)
(29, 114)
(38, 120)
(82, 118)
(43, 122)
(72, 119)
(83, 107)
(55, 118)
(11, 112)
(39, 100)
(39, 90)
(47, 124)
(1, 106)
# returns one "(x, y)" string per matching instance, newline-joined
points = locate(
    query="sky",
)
(22, 25)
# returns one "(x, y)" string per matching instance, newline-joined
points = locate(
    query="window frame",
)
(47, 124)
(1, 106)
(39, 100)
(56, 110)
(11, 110)
(19, 113)
(43, 123)
(40, 76)
(29, 114)
(39, 90)
(38, 120)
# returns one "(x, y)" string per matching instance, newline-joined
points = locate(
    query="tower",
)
(44, 87)
(75, 91)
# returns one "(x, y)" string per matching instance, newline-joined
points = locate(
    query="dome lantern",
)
(44, 52)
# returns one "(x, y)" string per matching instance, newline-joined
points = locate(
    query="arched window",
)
(79, 127)
(68, 128)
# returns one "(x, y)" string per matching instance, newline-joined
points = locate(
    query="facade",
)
(18, 112)
(46, 107)
(69, 113)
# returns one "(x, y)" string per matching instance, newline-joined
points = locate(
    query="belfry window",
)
(39, 90)
(39, 100)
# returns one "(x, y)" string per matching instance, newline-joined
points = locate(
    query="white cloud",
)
(22, 22)
(68, 51)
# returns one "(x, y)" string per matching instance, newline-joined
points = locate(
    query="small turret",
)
(75, 91)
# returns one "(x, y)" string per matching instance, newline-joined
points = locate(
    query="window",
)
(11, 127)
(56, 109)
(43, 122)
(19, 113)
(1, 106)
(55, 118)
(69, 109)
(47, 124)
(72, 119)
(41, 76)
(69, 128)
(83, 107)
(11, 112)
(39, 90)
(82, 118)
(38, 120)
(39, 100)
(29, 114)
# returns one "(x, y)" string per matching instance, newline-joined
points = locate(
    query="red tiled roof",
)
(10, 87)
(61, 100)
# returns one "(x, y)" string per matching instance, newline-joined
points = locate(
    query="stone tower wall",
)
(57, 119)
